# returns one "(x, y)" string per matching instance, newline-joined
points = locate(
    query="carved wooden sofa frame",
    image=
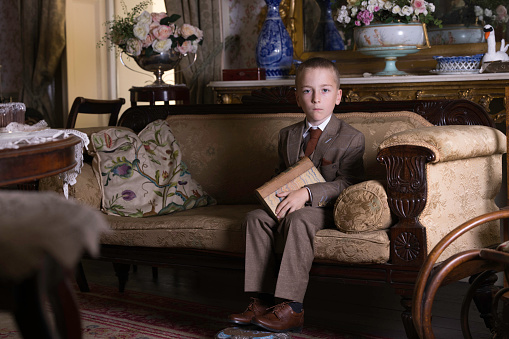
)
(406, 176)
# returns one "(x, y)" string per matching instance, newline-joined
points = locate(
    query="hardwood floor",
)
(354, 309)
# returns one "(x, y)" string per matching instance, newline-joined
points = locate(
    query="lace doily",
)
(17, 134)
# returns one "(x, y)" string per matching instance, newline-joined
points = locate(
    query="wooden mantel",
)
(479, 88)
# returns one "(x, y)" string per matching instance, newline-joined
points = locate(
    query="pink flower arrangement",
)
(148, 33)
(364, 12)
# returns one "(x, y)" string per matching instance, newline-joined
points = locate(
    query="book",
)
(297, 176)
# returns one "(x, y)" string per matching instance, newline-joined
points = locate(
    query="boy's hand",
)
(292, 201)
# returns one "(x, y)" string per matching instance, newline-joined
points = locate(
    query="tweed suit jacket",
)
(338, 157)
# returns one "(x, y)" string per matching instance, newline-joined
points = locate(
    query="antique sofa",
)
(439, 162)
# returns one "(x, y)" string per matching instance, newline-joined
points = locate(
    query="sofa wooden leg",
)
(406, 317)
(81, 278)
(122, 273)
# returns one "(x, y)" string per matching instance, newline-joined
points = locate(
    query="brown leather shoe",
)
(281, 318)
(255, 308)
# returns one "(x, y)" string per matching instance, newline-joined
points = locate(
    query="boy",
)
(336, 149)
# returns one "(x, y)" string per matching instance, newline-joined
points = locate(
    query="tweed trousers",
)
(267, 271)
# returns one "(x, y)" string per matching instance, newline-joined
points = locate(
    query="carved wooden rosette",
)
(407, 191)
(457, 112)
(276, 95)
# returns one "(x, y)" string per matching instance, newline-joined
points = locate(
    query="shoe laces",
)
(251, 305)
(277, 308)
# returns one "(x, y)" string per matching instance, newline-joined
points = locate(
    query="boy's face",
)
(317, 93)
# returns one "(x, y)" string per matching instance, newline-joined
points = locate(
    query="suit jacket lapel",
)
(326, 140)
(294, 142)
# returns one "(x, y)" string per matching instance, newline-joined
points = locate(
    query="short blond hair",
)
(317, 63)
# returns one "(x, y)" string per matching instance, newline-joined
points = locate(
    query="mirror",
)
(311, 16)
(317, 20)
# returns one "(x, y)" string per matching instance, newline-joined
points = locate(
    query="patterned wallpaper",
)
(244, 19)
(10, 50)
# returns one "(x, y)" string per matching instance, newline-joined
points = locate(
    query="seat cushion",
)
(355, 248)
(219, 228)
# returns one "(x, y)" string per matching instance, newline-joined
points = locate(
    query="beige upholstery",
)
(231, 155)
(223, 150)
(358, 248)
(86, 190)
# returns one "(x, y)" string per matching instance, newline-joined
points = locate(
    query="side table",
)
(36, 161)
(152, 94)
(25, 299)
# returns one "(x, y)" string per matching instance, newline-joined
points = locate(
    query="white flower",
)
(388, 5)
(431, 8)
(396, 10)
(141, 30)
(354, 12)
(160, 46)
(478, 11)
(372, 3)
(407, 10)
(133, 47)
(342, 15)
(488, 12)
(144, 18)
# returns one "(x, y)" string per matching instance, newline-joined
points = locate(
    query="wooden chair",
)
(459, 266)
(93, 106)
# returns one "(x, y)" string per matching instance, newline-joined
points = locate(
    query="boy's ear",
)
(340, 94)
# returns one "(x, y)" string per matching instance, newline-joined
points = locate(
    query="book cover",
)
(297, 176)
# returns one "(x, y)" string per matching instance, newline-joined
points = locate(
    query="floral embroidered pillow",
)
(144, 175)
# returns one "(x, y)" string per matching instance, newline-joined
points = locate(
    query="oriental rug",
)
(108, 314)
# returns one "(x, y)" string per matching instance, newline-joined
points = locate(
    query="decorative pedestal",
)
(152, 94)
(390, 41)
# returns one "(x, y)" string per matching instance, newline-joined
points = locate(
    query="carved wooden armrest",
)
(406, 195)
(406, 156)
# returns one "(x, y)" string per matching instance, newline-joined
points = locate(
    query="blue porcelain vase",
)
(326, 36)
(274, 50)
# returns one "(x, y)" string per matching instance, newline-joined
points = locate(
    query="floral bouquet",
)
(497, 15)
(148, 33)
(477, 12)
(363, 13)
